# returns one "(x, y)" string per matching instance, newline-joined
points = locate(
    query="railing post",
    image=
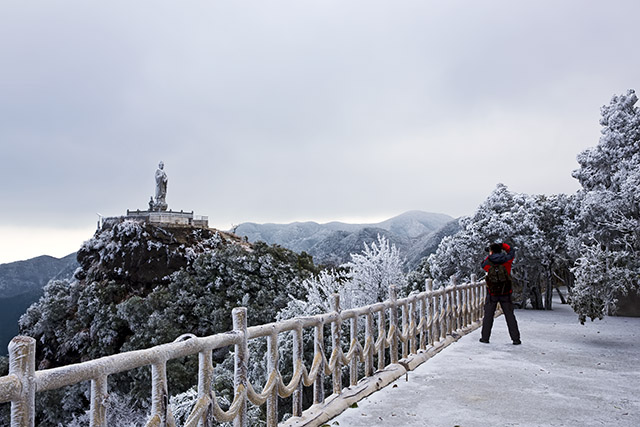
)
(22, 364)
(464, 310)
(405, 331)
(382, 339)
(272, 366)
(432, 315)
(473, 299)
(393, 325)
(453, 318)
(368, 333)
(353, 364)
(239, 315)
(422, 345)
(318, 385)
(441, 307)
(297, 363)
(99, 395)
(412, 328)
(205, 382)
(160, 394)
(467, 304)
(335, 339)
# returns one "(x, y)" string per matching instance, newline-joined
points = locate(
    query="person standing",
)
(499, 289)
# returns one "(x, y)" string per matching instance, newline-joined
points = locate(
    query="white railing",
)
(429, 321)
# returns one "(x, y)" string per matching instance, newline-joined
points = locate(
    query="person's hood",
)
(500, 258)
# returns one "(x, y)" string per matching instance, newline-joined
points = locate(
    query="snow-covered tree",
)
(608, 226)
(371, 272)
(533, 225)
(362, 281)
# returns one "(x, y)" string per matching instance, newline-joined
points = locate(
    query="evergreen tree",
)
(608, 226)
(533, 225)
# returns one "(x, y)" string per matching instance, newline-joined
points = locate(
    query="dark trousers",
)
(507, 307)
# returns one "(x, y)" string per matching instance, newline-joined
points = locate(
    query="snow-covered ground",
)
(563, 374)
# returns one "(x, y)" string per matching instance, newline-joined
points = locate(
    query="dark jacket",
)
(505, 258)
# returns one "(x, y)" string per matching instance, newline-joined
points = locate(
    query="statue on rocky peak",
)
(160, 203)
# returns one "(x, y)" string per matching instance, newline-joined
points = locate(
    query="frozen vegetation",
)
(140, 285)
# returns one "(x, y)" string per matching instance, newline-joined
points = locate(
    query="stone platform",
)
(168, 218)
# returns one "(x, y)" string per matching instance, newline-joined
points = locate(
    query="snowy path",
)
(563, 374)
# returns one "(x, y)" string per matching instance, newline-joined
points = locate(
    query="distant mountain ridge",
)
(415, 233)
(21, 277)
(21, 284)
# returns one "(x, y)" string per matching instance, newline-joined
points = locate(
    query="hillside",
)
(130, 268)
(415, 233)
(139, 285)
(22, 277)
(21, 285)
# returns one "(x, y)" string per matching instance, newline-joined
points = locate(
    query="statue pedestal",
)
(169, 218)
(160, 207)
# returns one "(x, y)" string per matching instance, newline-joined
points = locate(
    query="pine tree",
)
(608, 226)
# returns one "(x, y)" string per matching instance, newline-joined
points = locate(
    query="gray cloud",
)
(284, 110)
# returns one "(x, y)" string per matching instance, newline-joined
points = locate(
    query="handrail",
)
(427, 319)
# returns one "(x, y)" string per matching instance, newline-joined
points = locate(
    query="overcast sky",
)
(282, 111)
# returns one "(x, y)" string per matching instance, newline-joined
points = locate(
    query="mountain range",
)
(416, 234)
(21, 284)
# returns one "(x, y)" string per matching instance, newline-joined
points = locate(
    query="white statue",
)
(160, 203)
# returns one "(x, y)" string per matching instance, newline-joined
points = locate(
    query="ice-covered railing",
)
(428, 321)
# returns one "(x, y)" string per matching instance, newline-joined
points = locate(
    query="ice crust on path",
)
(563, 374)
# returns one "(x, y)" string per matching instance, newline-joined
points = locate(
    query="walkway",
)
(563, 374)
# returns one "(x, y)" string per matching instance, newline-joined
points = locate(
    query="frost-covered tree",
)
(317, 295)
(370, 273)
(4, 370)
(121, 412)
(530, 224)
(608, 225)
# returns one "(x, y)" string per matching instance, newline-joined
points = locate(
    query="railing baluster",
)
(241, 356)
(205, 382)
(160, 394)
(22, 364)
(474, 298)
(453, 299)
(467, 299)
(450, 309)
(393, 325)
(272, 366)
(297, 361)
(353, 364)
(99, 395)
(405, 331)
(412, 325)
(431, 327)
(382, 336)
(318, 385)
(462, 301)
(336, 327)
(443, 306)
(368, 337)
(422, 322)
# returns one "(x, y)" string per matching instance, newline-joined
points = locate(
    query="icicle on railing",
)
(429, 321)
